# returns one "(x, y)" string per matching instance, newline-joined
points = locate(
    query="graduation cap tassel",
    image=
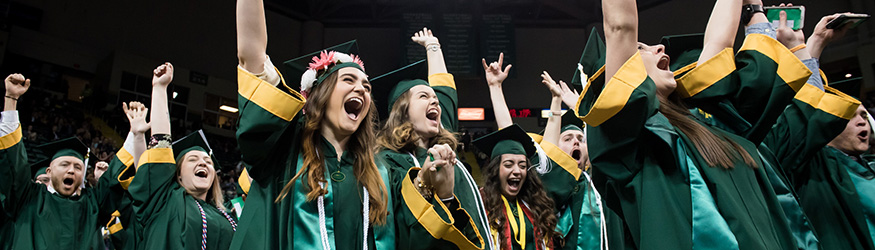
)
(543, 167)
(87, 158)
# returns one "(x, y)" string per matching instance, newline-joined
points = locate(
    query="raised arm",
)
(721, 29)
(433, 53)
(251, 35)
(16, 85)
(758, 17)
(15, 176)
(113, 184)
(161, 78)
(495, 77)
(823, 36)
(156, 168)
(439, 79)
(554, 122)
(136, 141)
(559, 179)
(791, 38)
(621, 33)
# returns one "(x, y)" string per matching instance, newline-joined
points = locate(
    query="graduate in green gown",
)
(834, 181)
(563, 147)
(421, 118)
(713, 85)
(758, 109)
(310, 153)
(177, 197)
(521, 214)
(667, 174)
(67, 218)
(121, 227)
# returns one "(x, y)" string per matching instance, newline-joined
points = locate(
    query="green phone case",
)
(795, 16)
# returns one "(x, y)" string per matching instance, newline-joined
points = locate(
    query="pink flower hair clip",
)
(321, 64)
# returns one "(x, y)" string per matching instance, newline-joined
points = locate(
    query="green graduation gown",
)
(269, 135)
(829, 197)
(573, 197)
(169, 217)
(6, 228)
(745, 95)
(415, 229)
(798, 141)
(122, 233)
(650, 174)
(819, 173)
(43, 220)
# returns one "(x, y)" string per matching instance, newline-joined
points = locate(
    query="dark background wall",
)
(99, 39)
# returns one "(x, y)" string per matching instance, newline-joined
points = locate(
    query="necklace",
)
(204, 222)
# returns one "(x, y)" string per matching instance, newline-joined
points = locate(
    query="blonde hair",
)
(398, 133)
(214, 194)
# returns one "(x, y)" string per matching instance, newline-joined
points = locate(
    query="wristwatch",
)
(748, 10)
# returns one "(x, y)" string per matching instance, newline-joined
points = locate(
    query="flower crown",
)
(323, 65)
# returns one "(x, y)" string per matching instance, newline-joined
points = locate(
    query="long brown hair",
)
(717, 150)
(532, 192)
(365, 169)
(214, 194)
(398, 133)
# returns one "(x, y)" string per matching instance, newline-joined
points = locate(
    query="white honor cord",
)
(479, 201)
(365, 214)
(603, 229)
(323, 231)
(480, 207)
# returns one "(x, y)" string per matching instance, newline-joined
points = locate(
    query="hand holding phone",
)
(795, 15)
(847, 19)
(828, 29)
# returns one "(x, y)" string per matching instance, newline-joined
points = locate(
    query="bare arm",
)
(721, 29)
(823, 36)
(758, 17)
(621, 33)
(433, 53)
(251, 35)
(161, 78)
(136, 113)
(494, 77)
(16, 85)
(554, 122)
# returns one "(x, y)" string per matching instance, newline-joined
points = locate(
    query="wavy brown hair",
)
(214, 195)
(532, 192)
(398, 133)
(313, 170)
(717, 150)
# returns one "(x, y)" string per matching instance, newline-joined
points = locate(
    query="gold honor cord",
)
(519, 235)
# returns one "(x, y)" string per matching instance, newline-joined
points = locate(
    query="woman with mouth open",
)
(177, 201)
(670, 174)
(417, 144)
(315, 184)
(520, 212)
(565, 167)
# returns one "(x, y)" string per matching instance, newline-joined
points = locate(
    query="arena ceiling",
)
(375, 13)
